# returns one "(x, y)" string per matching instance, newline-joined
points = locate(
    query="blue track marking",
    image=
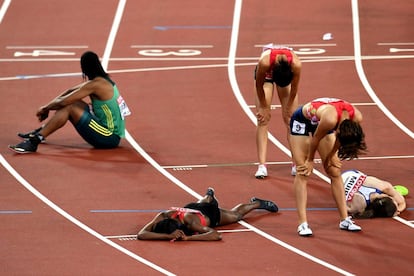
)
(13, 212)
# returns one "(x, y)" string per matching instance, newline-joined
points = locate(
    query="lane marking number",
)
(38, 53)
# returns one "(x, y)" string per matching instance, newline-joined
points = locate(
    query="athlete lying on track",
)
(369, 197)
(195, 221)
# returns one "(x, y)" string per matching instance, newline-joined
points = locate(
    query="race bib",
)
(123, 108)
(298, 127)
(185, 210)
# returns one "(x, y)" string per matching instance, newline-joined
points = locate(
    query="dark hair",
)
(381, 207)
(169, 225)
(351, 139)
(91, 66)
(282, 73)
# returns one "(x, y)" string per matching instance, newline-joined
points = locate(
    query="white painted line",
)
(112, 34)
(114, 28)
(75, 221)
(274, 106)
(220, 231)
(48, 47)
(361, 73)
(242, 102)
(305, 59)
(3, 9)
(395, 43)
(317, 160)
(158, 167)
(172, 46)
(364, 80)
(239, 96)
(37, 53)
(299, 45)
(403, 221)
(396, 50)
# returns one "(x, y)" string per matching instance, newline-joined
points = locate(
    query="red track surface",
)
(190, 116)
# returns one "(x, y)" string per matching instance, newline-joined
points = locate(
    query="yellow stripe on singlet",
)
(99, 129)
(109, 118)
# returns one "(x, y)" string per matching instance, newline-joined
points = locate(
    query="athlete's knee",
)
(332, 171)
(76, 111)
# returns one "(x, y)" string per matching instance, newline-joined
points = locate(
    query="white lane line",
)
(395, 43)
(53, 206)
(396, 50)
(105, 62)
(75, 221)
(172, 46)
(47, 47)
(242, 102)
(134, 237)
(317, 160)
(112, 34)
(361, 73)
(3, 9)
(239, 96)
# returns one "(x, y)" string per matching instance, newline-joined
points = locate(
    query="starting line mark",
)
(38, 53)
(134, 237)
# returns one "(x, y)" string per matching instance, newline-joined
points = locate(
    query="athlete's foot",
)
(28, 134)
(261, 172)
(265, 204)
(304, 230)
(210, 192)
(27, 146)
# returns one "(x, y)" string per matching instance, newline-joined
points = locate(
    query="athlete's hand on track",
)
(177, 235)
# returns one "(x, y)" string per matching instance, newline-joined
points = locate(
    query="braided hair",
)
(91, 66)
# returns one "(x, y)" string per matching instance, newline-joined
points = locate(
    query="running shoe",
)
(210, 192)
(27, 134)
(261, 172)
(265, 204)
(27, 146)
(349, 225)
(304, 230)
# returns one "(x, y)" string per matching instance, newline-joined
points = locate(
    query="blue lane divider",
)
(8, 212)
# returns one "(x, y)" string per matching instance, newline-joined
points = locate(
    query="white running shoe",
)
(304, 230)
(261, 172)
(293, 171)
(349, 225)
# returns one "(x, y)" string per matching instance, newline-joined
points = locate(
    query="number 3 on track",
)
(161, 53)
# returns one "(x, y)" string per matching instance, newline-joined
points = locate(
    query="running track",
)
(185, 69)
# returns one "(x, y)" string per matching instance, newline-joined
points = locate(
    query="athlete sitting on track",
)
(195, 221)
(369, 197)
(102, 127)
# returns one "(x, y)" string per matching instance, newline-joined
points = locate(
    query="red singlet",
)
(180, 213)
(340, 106)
